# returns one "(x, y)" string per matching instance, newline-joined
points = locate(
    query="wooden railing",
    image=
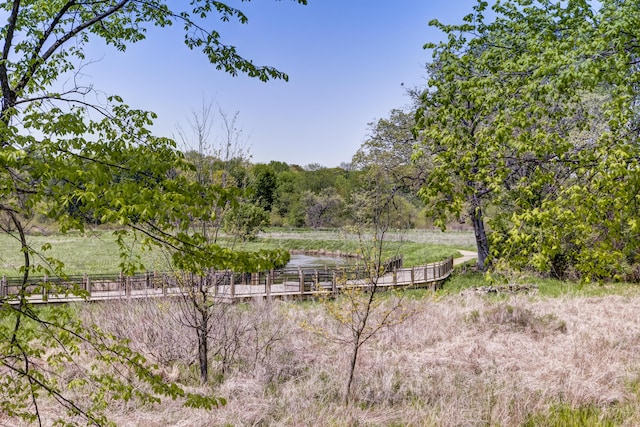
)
(226, 285)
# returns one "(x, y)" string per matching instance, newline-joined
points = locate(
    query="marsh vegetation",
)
(461, 358)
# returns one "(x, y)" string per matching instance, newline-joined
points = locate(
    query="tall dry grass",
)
(464, 360)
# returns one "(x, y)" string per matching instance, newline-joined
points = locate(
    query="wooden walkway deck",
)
(227, 286)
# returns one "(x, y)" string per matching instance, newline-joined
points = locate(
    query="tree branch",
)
(37, 61)
(8, 96)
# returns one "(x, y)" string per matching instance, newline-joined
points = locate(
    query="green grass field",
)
(97, 252)
(94, 253)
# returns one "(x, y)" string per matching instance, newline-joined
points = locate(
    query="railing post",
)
(164, 284)
(334, 282)
(316, 280)
(127, 286)
(87, 283)
(301, 278)
(3, 287)
(268, 284)
(232, 285)
(45, 295)
(395, 277)
(413, 277)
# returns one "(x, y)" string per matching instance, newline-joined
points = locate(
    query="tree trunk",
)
(203, 345)
(482, 243)
(352, 370)
(203, 332)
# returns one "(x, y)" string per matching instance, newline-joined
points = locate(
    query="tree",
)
(263, 184)
(360, 312)
(197, 303)
(245, 220)
(390, 146)
(490, 108)
(590, 221)
(324, 209)
(60, 151)
(218, 162)
(506, 105)
(386, 161)
(317, 177)
(288, 203)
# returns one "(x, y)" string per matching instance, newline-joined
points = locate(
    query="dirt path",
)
(466, 256)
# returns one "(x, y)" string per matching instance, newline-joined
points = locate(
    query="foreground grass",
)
(562, 355)
(461, 358)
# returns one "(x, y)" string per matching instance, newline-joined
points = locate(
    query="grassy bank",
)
(94, 253)
(98, 253)
(413, 253)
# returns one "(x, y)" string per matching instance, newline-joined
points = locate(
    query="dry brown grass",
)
(464, 360)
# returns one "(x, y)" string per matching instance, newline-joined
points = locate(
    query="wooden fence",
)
(226, 285)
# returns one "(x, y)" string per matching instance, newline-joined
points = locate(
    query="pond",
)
(306, 261)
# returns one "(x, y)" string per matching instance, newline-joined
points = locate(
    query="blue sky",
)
(346, 61)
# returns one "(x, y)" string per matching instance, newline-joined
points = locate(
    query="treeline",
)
(234, 196)
(311, 196)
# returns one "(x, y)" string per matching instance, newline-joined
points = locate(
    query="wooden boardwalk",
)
(228, 286)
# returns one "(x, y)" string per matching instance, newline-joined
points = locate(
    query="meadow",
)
(559, 354)
(461, 358)
(96, 252)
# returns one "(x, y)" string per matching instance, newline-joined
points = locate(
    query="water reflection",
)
(306, 261)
